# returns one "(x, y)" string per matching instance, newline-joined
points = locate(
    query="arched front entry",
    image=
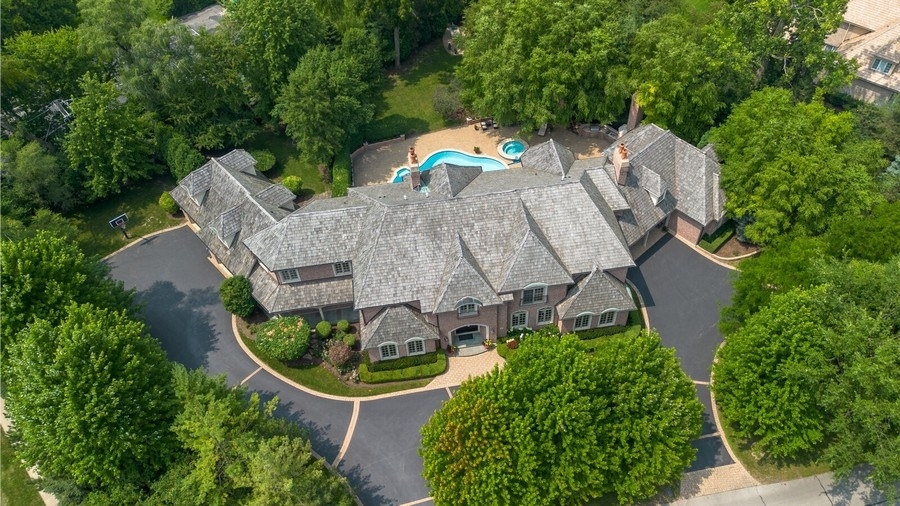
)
(469, 336)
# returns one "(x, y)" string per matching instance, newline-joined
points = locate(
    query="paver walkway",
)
(462, 368)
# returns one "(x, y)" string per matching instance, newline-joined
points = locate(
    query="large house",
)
(465, 255)
(870, 33)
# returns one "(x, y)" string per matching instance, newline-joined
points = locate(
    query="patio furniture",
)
(543, 130)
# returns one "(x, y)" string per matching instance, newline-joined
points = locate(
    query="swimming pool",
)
(453, 157)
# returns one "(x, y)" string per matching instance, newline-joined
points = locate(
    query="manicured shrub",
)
(341, 174)
(425, 370)
(167, 203)
(343, 325)
(237, 296)
(338, 353)
(265, 160)
(403, 362)
(180, 156)
(629, 331)
(284, 338)
(293, 183)
(349, 340)
(323, 329)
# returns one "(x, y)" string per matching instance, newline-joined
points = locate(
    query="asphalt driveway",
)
(684, 293)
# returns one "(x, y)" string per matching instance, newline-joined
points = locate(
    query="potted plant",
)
(488, 343)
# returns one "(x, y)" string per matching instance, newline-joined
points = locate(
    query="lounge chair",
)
(543, 130)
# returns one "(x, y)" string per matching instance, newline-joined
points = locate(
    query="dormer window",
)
(342, 269)
(534, 294)
(468, 306)
(289, 275)
(882, 65)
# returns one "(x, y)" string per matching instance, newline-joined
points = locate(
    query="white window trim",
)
(600, 317)
(415, 340)
(512, 319)
(468, 309)
(338, 268)
(590, 319)
(381, 348)
(879, 63)
(533, 286)
(283, 279)
(547, 321)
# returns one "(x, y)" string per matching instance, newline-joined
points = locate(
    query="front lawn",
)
(17, 489)
(96, 237)
(406, 103)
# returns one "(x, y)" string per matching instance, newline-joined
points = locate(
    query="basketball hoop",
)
(119, 222)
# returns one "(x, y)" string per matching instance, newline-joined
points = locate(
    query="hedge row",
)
(428, 370)
(341, 174)
(720, 237)
(629, 331)
(402, 362)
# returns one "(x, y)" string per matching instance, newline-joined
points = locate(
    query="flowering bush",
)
(284, 338)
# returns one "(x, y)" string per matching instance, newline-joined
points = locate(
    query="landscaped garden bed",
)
(316, 368)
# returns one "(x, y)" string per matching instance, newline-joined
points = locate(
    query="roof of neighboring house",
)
(396, 324)
(871, 14)
(595, 293)
(230, 200)
(666, 173)
(206, 19)
(882, 43)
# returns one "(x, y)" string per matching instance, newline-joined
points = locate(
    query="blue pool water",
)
(513, 149)
(454, 157)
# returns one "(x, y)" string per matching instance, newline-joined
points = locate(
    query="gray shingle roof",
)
(278, 298)
(596, 293)
(533, 261)
(549, 156)
(448, 180)
(396, 324)
(227, 207)
(462, 278)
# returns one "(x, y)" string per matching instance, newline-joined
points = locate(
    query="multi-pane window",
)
(582, 322)
(534, 295)
(289, 275)
(467, 309)
(519, 319)
(882, 65)
(388, 351)
(545, 315)
(342, 269)
(607, 318)
(415, 347)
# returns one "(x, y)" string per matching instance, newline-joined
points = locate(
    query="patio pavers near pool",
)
(378, 165)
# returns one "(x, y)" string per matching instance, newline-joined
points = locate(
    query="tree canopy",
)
(559, 426)
(790, 166)
(91, 399)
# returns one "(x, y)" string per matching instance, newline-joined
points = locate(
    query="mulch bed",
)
(734, 248)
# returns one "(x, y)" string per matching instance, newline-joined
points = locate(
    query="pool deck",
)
(378, 165)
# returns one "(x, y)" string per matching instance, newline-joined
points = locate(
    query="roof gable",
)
(396, 324)
(449, 180)
(534, 261)
(596, 293)
(549, 156)
(462, 278)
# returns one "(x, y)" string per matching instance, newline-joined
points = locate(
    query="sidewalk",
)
(813, 491)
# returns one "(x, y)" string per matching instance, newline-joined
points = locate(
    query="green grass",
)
(766, 470)
(407, 373)
(144, 217)
(17, 489)
(406, 103)
(721, 236)
(317, 378)
(287, 161)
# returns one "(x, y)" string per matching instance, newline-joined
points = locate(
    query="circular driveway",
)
(178, 288)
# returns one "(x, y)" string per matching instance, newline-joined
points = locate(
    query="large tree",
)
(42, 274)
(560, 426)
(533, 61)
(91, 399)
(329, 97)
(33, 178)
(112, 140)
(35, 16)
(687, 77)
(791, 166)
(273, 34)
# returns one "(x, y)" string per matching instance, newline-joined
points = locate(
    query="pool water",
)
(454, 157)
(513, 149)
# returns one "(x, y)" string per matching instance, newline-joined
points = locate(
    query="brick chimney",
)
(415, 177)
(621, 163)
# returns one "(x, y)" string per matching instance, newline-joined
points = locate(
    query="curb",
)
(143, 238)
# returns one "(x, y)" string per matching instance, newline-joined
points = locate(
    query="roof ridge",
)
(244, 188)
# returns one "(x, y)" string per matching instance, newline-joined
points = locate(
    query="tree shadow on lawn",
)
(394, 125)
(181, 322)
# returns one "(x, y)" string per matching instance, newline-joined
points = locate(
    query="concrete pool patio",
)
(378, 164)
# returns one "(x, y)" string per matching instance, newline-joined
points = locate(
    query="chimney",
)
(415, 177)
(621, 163)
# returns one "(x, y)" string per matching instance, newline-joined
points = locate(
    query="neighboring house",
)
(870, 33)
(470, 255)
(207, 19)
